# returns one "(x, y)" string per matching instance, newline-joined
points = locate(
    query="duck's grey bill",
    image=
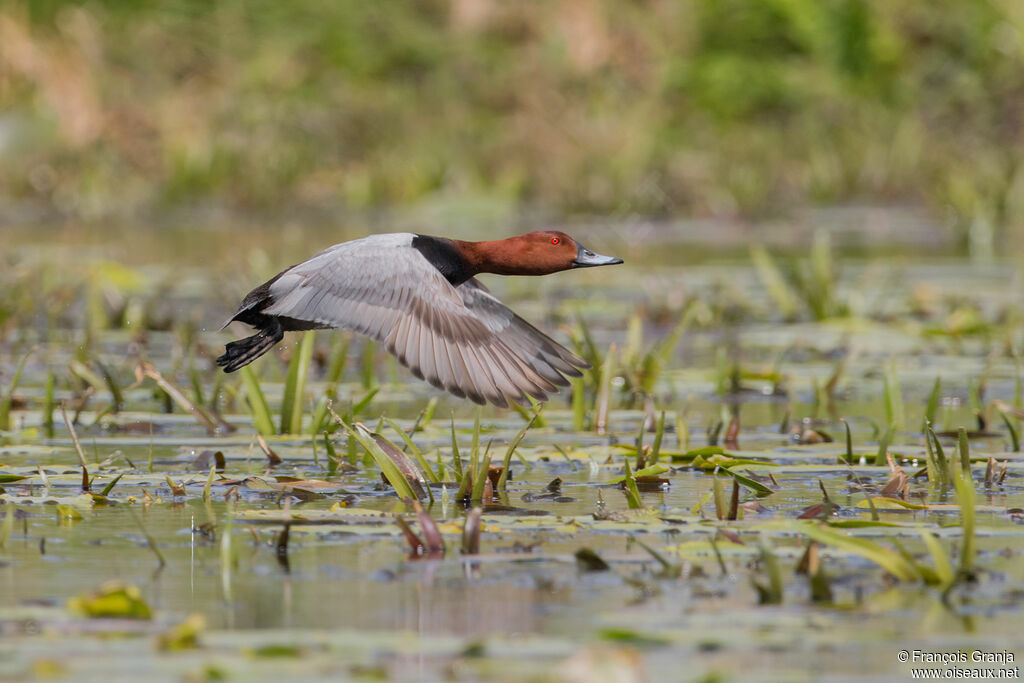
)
(588, 259)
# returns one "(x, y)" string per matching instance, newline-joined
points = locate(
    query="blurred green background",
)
(732, 110)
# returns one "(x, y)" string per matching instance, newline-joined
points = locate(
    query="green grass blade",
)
(481, 477)
(849, 443)
(48, 405)
(332, 455)
(257, 402)
(110, 486)
(421, 459)
(515, 444)
(940, 456)
(194, 379)
(1014, 436)
(364, 402)
(604, 393)
(933, 401)
(893, 400)
(115, 388)
(579, 404)
(965, 496)
(475, 446)
(295, 385)
(822, 282)
(659, 356)
(456, 457)
(964, 449)
(773, 593)
(940, 560)
(682, 431)
(757, 487)
(209, 482)
(8, 398)
(391, 471)
(639, 442)
(774, 282)
(883, 446)
(935, 475)
(369, 365)
(889, 560)
(339, 358)
(721, 511)
(632, 492)
(318, 423)
(87, 375)
(659, 434)
(651, 471)
(588, 348)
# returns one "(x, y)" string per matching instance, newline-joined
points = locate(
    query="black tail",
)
(244, 351)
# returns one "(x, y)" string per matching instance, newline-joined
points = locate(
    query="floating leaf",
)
(885, 503)
(184, 636)
(112, 600)
(66, 513)
(652, 471)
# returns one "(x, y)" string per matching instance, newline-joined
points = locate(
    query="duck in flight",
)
(419, 296)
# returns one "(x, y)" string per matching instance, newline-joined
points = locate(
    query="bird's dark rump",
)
(271, 327)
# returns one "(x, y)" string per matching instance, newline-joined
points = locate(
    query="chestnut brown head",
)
(539, 253)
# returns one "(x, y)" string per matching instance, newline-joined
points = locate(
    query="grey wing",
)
(544, 355)
(426, 323)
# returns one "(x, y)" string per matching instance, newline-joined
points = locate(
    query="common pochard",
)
(418, 295)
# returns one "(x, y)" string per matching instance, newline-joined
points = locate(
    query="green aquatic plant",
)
(257, 402)
(632, 491)
(368, 365)
(963, 484)
(537, 419)
(337, 359)
(7, 399)
(812, 279)
(400, 472)
(933, 402)
(507, 462)
(295, 385)
(901, 564)
(642, 368)
(602, 405)
(410, 445)
(775, 283)
(883, 445)
(770, 592)
(937, 466)
(456, 456)
(1011, 428)
(890, 560)
(480, 476)
(893, 399)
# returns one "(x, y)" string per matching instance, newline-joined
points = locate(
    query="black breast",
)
(443, 255)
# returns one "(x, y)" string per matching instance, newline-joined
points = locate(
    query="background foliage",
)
(724, 108)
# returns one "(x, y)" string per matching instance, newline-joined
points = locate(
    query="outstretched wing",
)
(461, 339)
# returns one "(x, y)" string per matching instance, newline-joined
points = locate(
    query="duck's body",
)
(419, 297)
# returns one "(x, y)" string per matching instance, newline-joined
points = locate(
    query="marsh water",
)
(344, 598)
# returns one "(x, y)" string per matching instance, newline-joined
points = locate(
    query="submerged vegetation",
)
(806, 434)
(723, 108)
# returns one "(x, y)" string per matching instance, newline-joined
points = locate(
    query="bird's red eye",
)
(555, 240)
